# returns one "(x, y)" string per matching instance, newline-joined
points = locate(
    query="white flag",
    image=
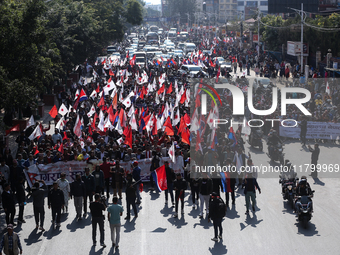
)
(177, 118)
(131, 111)
(328, 90)
(133, 122)
(60, 124)
(91, 112)
(30, 122)
(63, 110)
(101, 121)
(127, 101)
(93, 94)
(120, 140)
(171, 153)
(37, 132)
(118, 127)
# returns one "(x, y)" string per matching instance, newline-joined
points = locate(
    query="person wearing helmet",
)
(303, 189)
(273, 140)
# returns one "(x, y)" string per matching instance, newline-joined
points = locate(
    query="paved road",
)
(273, 229)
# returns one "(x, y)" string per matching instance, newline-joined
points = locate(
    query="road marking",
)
(143, 240)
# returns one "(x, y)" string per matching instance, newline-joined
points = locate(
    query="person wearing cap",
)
(170, 176)
(180, 185)
(10, 242)
(136, 176)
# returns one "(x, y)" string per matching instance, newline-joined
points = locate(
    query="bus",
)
(154, 29)
(152, 38)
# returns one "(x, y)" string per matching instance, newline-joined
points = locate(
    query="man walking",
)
(315, 157)
(56, 201)
(249, 190)
(90, 187)
(205, 188)
(113, 215)
(8, 203)
(136, 176)
(97, 208)
(10, 242)
(38, 195)
(217, 210)
(180, 185)
(130, 193)
(170, 176)
(78, 192)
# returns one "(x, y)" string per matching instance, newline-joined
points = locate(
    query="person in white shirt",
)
(178, 166)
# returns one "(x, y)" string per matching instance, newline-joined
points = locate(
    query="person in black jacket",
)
(130, 193)
(215, 216)
(56, 201)
(315, 157)
(21, 199)
(205, 189)
(303, 132)
(38, 195)
(154, 165)
(90, 187)
(180, 185)
(249, 191)
(78, 192)
(8, 203)
(170, 176)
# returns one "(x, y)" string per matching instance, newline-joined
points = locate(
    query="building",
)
(246, 9)
(227, 10)
(156, 7)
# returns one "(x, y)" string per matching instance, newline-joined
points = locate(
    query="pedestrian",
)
(8, 203)
(64, 186)
(154, 165)
(217, 210)
(136, 176)
(205, 188)
(170, 176)
(231, 184)
(97, 207)
(38, 195)
(180, 185)
(106, 168)
(194, 186)
(249, 191)
(130, 194)
(303, 131)
(315, 157)
(117, 180)
(10, 242)
(90, 187)
(21, 199)
(78, 192)
(113, 215)
(56, 200)
(99, 180)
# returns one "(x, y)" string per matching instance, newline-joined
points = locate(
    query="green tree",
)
(134, 12)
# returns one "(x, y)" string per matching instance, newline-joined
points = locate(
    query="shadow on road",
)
(33, 237)
(166, 211)
(232, 213)
(318, 181)
(250, 221)
(218, 248)
(159, 230)
(310, 230)
(75, 224)
(178, 222)
(130, 225)
(204, 223)
(52, 232)
(94, 252)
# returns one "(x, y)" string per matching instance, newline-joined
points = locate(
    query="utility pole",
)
(258, 34)
(301, 64)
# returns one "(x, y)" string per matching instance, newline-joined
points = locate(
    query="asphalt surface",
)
(272, 229)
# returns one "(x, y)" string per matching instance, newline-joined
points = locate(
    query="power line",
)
(290, 26)
(322, 29)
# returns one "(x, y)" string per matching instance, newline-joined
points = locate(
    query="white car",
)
(192, 70)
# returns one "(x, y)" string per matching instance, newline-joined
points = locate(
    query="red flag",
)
(186, 136)
(218, 74)
(126, 131)
(168, 127)
(36, 151)
(111, 74)
(101, 102)
(133, 60)
(154, 128)
(186, 119)
(65, 136)
(15, 129)
(128, 138)
(94, 121)
(75, 106)
(109, 79)
(114, 102)
(97, 89)
(170, 89)
(184, 96)
(90, 130)
(214, 51)
(53, 112)
(61, 148)
(198, 101)
(182, 125)
(161, 90)
(198, 141)
(159, 175)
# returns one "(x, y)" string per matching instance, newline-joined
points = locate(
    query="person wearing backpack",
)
(216, 213)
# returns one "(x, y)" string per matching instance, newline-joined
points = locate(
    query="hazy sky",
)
(153, 1)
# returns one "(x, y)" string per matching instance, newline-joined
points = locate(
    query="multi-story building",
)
(227, 10)
(246, 9)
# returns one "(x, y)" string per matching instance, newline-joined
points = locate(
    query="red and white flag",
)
(36, 133)
(60, 125)
(133, 122)
(30, 122)
(171, 153)
(127, 101)
(63, 110)
(91, 112)
(77, 127)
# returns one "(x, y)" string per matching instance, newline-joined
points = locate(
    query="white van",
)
(189, 47)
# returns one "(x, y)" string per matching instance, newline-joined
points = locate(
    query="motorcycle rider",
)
(288, 174)
(303, 189)
(273, 140)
